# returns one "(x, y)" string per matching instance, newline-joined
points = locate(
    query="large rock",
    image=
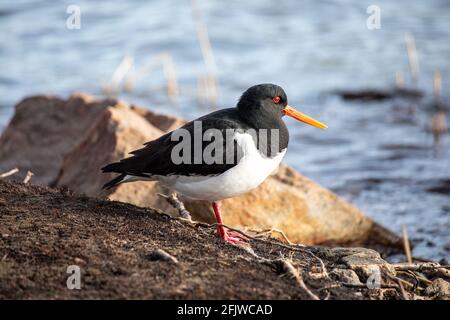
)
(117, 132)
(43, 130)
(78, 136)
(161, 121)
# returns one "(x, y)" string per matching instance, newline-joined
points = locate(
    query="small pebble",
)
(160, 255)
(439, 288)
(79, 261)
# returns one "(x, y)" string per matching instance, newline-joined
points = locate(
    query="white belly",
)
(249, 173)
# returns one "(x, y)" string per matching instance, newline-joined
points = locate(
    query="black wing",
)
(156, 157)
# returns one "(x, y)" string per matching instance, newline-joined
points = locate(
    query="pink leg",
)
(227, 235)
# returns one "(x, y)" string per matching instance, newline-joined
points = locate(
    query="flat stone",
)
(361, 260)
(346, 276)
(439, 289)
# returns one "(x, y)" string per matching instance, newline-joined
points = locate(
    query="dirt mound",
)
(117, 247)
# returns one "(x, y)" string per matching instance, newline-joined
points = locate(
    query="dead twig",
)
(437, 83)
(438, 127)
(414, 276)
(296, 274)
(364, 286)
(402, 290)
(412, 56)
(163, 60)
(9, 173)
(432, 268)
(400, 285)
(207, 84)
(112, 87)
(419, 278)
(406, 246)
(28, 177)
(270, 231)
(178, 205)
(418, 266)
(171, 78)
(403, 281)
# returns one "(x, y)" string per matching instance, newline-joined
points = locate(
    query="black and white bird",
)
(224, 153)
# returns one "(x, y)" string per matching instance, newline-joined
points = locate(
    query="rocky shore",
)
(65, 142)
(130, 243)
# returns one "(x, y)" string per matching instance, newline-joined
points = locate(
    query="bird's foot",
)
(231, 237)
(235, 238)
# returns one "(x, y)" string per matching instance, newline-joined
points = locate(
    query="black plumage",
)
(255, 110)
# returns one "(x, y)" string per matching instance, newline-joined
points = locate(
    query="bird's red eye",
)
(276, 99)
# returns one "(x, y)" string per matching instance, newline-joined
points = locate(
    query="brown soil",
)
(43, 231)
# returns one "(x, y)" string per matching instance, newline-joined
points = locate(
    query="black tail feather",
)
(114, 182)
(113, 167)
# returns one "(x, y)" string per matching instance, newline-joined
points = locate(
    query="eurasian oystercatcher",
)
(220, 155)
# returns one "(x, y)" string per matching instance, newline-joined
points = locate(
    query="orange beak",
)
(291, 112)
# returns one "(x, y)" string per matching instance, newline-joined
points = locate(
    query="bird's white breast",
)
(250, 172)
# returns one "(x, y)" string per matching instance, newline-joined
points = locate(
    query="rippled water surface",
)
(379, 155)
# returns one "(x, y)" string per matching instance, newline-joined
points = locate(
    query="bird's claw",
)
(235, 238)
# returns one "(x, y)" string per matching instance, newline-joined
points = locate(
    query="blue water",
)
(377, 155)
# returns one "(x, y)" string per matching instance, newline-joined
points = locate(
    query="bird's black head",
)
(263, 106)
(262, 103)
